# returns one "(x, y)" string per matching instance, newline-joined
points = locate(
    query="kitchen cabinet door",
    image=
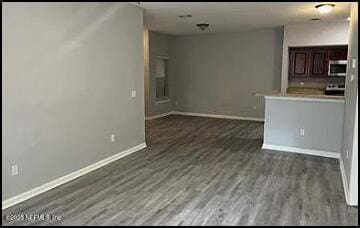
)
(298, 63)
(318, 63)
(338, 53)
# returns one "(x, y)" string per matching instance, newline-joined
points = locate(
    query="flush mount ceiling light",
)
(324, 8)
(348, 18)
(202, 26)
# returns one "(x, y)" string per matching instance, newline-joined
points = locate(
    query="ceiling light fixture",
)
(348, 18)
(202, 26)
(324, 8)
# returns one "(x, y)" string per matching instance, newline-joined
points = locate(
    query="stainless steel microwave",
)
(337, 68)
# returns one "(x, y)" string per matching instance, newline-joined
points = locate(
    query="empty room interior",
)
(180, 113)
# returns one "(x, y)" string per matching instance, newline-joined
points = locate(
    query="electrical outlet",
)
(112, 138)
(14, 170)
(302, 131)
(351, 77)
(133, 93)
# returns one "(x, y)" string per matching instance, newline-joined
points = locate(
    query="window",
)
(161, 78)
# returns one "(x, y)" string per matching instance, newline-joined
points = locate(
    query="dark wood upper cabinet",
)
(308, 63)
(299, 61)
(338, 53)
(318, 63)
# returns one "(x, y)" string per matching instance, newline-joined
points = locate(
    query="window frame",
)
(166, 63)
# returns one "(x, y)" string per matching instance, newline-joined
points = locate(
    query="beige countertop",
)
(274, 93)
(306, 90)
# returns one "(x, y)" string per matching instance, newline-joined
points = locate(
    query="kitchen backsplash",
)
(340, 81)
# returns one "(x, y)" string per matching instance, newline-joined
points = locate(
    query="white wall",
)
(311, 34)
(68, 71)
(353, 187)
(350, 139)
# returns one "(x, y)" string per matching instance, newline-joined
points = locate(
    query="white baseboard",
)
(344, 181)
(69, 177)
(218, 116)
(349, 200)
(328, 154)
(204, 115)
(158, 116)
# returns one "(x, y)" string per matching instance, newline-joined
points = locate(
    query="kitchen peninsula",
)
(308, 123)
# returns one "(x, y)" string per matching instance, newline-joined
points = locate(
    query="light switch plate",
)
(133, 93)
(353, 63)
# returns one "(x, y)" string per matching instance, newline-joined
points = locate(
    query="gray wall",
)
(351, 94)
(284, 118)
(159, 45)
(218, 73)
(68, 71)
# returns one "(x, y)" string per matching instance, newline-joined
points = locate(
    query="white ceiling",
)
(227, 16)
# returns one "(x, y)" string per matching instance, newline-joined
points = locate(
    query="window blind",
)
(160, 68)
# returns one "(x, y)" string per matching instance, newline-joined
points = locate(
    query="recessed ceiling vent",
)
(202, 26)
